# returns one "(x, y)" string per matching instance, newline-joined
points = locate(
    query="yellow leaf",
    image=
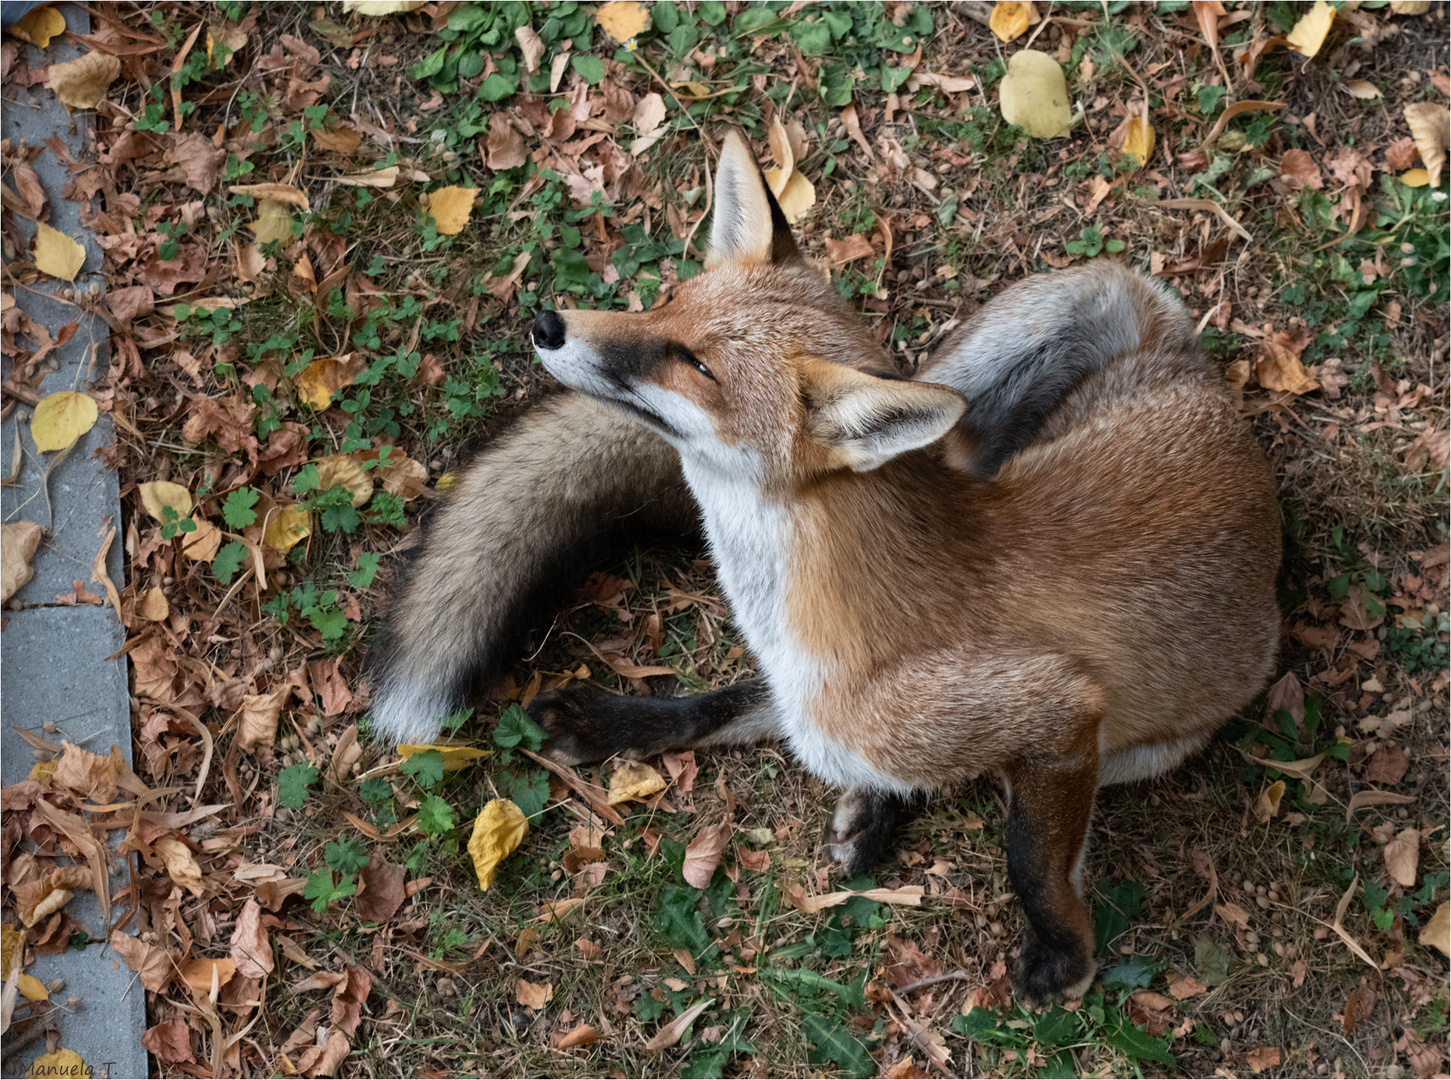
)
(39, 26)
(82, 83)
(62, 418)
(1430, 126)
(454, 757)
(1437, 932)
(1011, 19)
(198, 974)
(317, 382)
(1268, 804)
(382, 7)
(65, 1063)
(43, 770)
(203, 542)
(793, 191)
(57, 254)
(1415, 178)
(33, 988)
(1309, 33)
(498, 830)
(12, 950)
(340, 470)
(283, 193)
(154, 606)
(450, 208)
(286, 527)
(1280, 369)
(18, 542)
(274, 222)
(1034, 94)
(446, 482)
(1410, 7)
(1139, 142)
(157, 495)
(230, 37)
(623, 19)
(634, 781)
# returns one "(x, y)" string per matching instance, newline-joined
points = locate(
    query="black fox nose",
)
(548, 330)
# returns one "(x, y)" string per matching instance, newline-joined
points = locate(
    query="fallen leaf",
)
(1303, 769)
(170, 1041)
(810, 905)
(672, 1032)
(583, 1035)
(796, 196)
(257, 719)
(498, 830)
(320, 380)
(33, 988)
(62, 418)
(59, 1063)
(1239, 108)
(1185, 986)
(1306, 37)
(286, 527)
(273, 223)
(57, 254)
(533, 995)
(372, 178)
(505, 146)
(1299, 170)
(282, 193)
(1430, 126)
(1415, 178)
(251, 950)
(343, 470)
(153, 606)
(181, 864)
(1139, 141)
(1010, 19)
(1339, 924)
(450, 207)
(1410, 7)
(1277, 368)
(151, 963)
(1437, 931)
(1233, 914)
(1360, 88)
(157, 496)
(841, 252)
(1402, 855)
(1264, 1057)
(38, 26)
(82, 83)
(382, 7)
(203, 542)
(201, 975)
(383, 891)
(1034, 94)
(623, 19)
(531, 45)
(703, 854)
(18, 543)
(1362, 799)
(1387, 765)
(634, 781)
(1268, 804)
(454, 757)
(404, 477)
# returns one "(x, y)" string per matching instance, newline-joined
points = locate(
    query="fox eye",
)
(690, 358)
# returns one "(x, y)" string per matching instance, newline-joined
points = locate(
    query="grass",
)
(440, 365)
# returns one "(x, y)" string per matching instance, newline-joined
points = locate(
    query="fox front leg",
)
(585, 723)
(863, 824)
(1050, 802)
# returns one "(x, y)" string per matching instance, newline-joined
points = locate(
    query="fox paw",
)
(862, 828)
(1045, 976)
(574, 723)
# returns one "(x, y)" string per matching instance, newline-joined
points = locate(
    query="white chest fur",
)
(751, 539)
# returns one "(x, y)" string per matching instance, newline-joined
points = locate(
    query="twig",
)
(933, 980)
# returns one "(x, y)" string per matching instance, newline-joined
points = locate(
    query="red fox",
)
(1050, 556)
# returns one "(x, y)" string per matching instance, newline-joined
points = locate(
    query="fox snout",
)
(547, 331)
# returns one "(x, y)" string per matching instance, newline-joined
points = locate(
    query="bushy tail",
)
(528, 517)
(1022, 355)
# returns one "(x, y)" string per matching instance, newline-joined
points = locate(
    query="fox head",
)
(755, 366)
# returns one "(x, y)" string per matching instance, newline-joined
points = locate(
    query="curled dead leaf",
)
(498, 830)
(82, 83)
(1308, 34)
(1010, 19)
(18, 543)
(1430, 126)
(1268, 804)
(634, 781)
(1437, 931)
(1402, 855)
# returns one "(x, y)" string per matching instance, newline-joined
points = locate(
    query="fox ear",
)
(747, 223)
(866, 421)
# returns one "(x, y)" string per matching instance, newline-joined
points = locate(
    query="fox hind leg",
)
(863, 824)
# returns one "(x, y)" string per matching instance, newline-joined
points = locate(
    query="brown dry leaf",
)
(1265, 1057)
(1034, 94)
(683, 769)
(273, 224)
(86, 773)
(1430, 126)
(320, 380)
(1185, 986)
(18, 543)
(201, 975)
(1011, 18)
(1361, 88)
(1139, 141)
(533, 995)
(170, 1041)
(203, 542)
(1362, 799)
(154, 606)
(1402, 855)
(498, 830)
(382, 7)
(58, 255)
(1277, 368)
(505, 146)
(583, 1035)
(251, 950)
(1299, 170)
(1410, 7)
(856, 246)
(450, 207)
(810, 905)
(703, 854)
(38, 26)
(257, 719)
(372, 178)
(383, 890)
(623, 19)
(82, 83)
(1437, 931)
(181, 864)
(1387, 765)
(672, 1032)
(404, 477)
(340, 140)
(1233, 914)
(158, 495)
(1303, 769)
(282, 193)
(153, 964)
(1306, 37)
(531, 45)
(1268, 804)
(343, 470)
(634, 780)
